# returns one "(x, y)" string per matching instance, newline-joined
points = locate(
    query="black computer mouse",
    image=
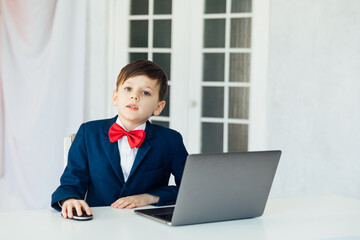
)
(83, 217)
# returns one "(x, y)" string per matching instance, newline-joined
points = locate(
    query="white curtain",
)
(1, 106)
(41, 92)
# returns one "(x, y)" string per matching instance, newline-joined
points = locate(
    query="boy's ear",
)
(114, 98)
(159, 108)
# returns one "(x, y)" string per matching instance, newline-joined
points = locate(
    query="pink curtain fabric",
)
(41, 92)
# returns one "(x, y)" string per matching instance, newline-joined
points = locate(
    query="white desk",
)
(325, 217)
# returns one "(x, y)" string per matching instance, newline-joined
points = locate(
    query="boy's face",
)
(137, 99)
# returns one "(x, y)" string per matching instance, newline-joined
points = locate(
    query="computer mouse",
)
(83, 217)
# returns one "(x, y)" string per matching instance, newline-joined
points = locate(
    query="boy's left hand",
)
(134, 201)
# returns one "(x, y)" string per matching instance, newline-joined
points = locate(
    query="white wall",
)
(314, 96)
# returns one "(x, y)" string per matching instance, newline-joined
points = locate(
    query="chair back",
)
(67, 144)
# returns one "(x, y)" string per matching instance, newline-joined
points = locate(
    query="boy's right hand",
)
(69, 204)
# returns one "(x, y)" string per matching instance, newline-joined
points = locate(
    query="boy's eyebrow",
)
(147, 86)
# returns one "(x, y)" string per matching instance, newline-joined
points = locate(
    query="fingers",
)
(86, 207)
(82, 206)
(78, 205)
(64, 212)
(132, 205)
(120, 203)
(78, 209)
(126, 202)
(65, 206)
(134, 201)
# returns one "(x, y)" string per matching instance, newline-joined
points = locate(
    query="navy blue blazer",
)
(94, 166)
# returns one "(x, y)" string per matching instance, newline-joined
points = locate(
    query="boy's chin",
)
(133, 120)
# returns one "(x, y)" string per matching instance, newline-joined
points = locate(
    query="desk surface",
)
(323, 217)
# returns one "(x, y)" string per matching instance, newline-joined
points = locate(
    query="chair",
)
(67, 143)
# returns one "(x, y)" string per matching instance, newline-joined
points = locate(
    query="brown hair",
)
(147, 68)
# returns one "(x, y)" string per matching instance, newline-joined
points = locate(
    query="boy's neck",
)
(129, 126)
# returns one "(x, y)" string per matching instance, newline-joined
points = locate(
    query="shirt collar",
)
(140, 127)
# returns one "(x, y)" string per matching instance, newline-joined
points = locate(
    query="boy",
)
(114, 161)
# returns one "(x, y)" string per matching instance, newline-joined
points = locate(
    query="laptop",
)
(220, 187)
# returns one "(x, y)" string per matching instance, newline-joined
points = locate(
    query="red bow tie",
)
(135, 137)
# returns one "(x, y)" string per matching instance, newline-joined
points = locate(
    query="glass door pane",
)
(150, 24)
(226, 76)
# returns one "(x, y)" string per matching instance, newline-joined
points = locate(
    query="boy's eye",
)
(127, 89)
(146, 93)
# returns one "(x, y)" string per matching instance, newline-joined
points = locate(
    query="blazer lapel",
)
(144, 148)
(112, 151)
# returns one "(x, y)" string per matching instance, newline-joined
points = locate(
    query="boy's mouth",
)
(132, 107)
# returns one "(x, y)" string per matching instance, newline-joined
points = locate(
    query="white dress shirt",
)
(127, 155)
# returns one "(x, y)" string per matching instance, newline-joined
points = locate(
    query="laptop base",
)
(163, 214)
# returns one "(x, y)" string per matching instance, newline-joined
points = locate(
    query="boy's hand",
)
(135, 201)
(69, 204)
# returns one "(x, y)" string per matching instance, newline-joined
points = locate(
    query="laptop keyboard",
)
(165, 216)
(163, 213)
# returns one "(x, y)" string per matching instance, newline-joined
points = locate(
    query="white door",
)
(215, 55)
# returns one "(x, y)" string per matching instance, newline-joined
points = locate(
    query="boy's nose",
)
(135, 97)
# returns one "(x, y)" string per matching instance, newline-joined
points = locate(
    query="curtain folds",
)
(41, 92)
(2, 160)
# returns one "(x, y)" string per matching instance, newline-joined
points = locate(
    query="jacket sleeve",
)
(74, 180)
(168, 194)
